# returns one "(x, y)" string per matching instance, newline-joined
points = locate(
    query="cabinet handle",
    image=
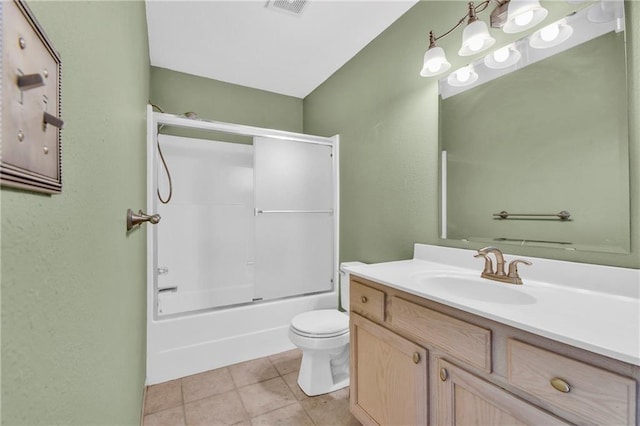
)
(560, 385)
(416, 357)
(444, 374)
(364, 299)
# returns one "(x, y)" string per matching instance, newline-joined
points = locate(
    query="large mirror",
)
(537, 154)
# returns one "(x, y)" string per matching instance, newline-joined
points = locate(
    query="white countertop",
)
(592, 307)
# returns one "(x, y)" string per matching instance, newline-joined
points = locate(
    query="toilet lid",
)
(324, 322)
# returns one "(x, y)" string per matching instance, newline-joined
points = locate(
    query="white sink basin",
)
(592, 307)
(476, 288)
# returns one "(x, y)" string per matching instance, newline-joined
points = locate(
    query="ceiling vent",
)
(293, 7)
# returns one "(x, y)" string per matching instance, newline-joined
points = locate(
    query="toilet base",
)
(323, 372)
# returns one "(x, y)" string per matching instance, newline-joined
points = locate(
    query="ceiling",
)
(245, 42)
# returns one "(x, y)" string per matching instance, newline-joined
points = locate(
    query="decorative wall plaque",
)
(31, 156)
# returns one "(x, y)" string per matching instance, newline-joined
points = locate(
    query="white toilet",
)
(323, 336)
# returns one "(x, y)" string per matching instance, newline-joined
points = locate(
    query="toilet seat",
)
(322, 323)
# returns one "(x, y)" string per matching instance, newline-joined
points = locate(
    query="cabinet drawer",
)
(460, 339)
(597, 395)
(366, 301)
(465, 399)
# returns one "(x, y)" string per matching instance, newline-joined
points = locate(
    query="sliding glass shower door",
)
(294, 208)
(245, 223)
(206, 236)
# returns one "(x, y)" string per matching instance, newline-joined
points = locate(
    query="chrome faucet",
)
(499, 274)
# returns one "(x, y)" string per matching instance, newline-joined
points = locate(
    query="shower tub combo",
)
(247, 240)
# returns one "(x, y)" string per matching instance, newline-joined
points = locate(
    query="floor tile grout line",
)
(236, 390)
(184, 408)
(276, 409)
(309, 415)
(184, 402)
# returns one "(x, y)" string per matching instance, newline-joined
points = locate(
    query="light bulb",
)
(463, 74)
(434, 66)
(475, 44)
(475, 38)
(504, 57)
(550, 32)
(551, 35)
(435, 62)
(501, 54)
(524, 18)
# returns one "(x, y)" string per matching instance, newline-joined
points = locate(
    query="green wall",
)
(176, 93)
(73, 281)
(387, 118)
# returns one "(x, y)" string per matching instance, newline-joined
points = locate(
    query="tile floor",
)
(259, 392)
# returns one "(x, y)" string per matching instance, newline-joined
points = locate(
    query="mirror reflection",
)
(536, 152)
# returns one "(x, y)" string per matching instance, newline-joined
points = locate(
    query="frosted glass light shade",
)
(523, 14)
(475, 38)
(463, 77)
(502, 58)
(602, 12)
(551, 35)
(435, 62)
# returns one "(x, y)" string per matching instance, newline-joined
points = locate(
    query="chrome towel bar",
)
(259, 211)
(563, 215)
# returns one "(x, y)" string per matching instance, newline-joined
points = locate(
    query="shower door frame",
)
(161, 363)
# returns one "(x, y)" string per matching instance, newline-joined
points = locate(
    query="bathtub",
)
(187, 333)
(195, 342)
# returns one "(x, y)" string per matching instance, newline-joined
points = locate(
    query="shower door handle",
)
(260, 211)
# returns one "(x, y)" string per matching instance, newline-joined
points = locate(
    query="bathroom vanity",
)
(432, 343)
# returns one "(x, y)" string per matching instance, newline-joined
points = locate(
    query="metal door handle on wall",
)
(134, 219)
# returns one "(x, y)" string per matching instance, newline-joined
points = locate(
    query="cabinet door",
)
(464, 399)
(388, 376)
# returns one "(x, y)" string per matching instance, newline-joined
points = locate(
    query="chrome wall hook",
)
(134, 219)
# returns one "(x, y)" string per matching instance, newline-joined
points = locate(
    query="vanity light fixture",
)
(435, 62)
(503, 58)
(475, 37)
(551, 35)
(510, 15)
(463, 76)
(523, 14)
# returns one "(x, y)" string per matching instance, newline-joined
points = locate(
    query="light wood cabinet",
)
(593, 393)
(417, 362)
(468, 342)
(388, 376)
(367, 301)
(465, 399)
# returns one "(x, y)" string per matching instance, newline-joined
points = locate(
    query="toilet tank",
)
(344, 284)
